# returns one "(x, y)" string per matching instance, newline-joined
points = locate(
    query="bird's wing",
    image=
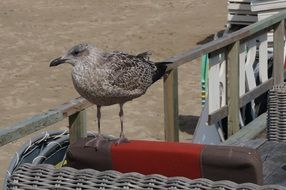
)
(130, 73)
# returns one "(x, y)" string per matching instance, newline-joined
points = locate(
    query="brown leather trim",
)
(238, 164)
(81, 157)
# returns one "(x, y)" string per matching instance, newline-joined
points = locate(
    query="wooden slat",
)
(29, 126)
(249, 131)
(247, 31)
(240, 1)
(268, 6)
(244, 99)
(254, 93)
(253, 143)
(242, 12)
(233, 88)
(43, 120)
(73, 106)
(278, 53)
(77, 126)
(171, 106)
(242, 18)
(239, 7)
(217, 115)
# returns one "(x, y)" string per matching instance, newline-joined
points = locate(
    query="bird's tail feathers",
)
(161, 70)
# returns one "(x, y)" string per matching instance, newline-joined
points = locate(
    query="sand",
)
(34, 32)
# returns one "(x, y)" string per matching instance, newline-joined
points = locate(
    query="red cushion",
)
(238, 164)
(165, 158)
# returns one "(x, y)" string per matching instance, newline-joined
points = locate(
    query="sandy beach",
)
(34, 32)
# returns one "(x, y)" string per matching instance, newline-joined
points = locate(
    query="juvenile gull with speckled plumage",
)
(110, 78)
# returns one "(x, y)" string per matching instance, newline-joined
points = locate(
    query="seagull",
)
(108, 78)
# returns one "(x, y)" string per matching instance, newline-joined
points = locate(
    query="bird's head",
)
(78, 54)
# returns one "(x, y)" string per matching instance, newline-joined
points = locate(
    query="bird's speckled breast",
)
(92, 84)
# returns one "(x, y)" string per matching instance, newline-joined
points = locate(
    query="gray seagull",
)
(107, 78)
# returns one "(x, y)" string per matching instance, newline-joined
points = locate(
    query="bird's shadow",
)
(188, 123)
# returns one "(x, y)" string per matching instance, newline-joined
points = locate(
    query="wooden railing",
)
(230, 46)
(75, 109)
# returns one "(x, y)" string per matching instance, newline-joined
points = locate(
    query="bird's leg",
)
(122, 138)
(121, 114)
(98, 138)
(98, 119)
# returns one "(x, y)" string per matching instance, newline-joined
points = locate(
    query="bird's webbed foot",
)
(96, 141)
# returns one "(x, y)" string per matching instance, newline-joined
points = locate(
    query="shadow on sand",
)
(188, 123)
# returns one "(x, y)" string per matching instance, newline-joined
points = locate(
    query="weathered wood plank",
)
(240, 1)
(239, 7)
(171, 114)
(249, 131)
(43, 120)
(77, 126)
(246, 98)
(233, 88)
(257, 91)
(253, 143)
(29, 126)
(268, 6)
(73, 106)
(241, 18)
(217, 115)
(245, 32)
(278, 53)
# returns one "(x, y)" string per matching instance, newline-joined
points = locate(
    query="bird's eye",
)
(75, 52)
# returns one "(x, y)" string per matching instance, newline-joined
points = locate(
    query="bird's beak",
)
(57, 61)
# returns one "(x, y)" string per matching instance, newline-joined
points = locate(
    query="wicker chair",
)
(33, 167)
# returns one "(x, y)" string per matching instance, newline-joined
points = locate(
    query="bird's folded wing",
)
(130, 72)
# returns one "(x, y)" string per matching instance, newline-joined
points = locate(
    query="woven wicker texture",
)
(45, 176)
(276, 120)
